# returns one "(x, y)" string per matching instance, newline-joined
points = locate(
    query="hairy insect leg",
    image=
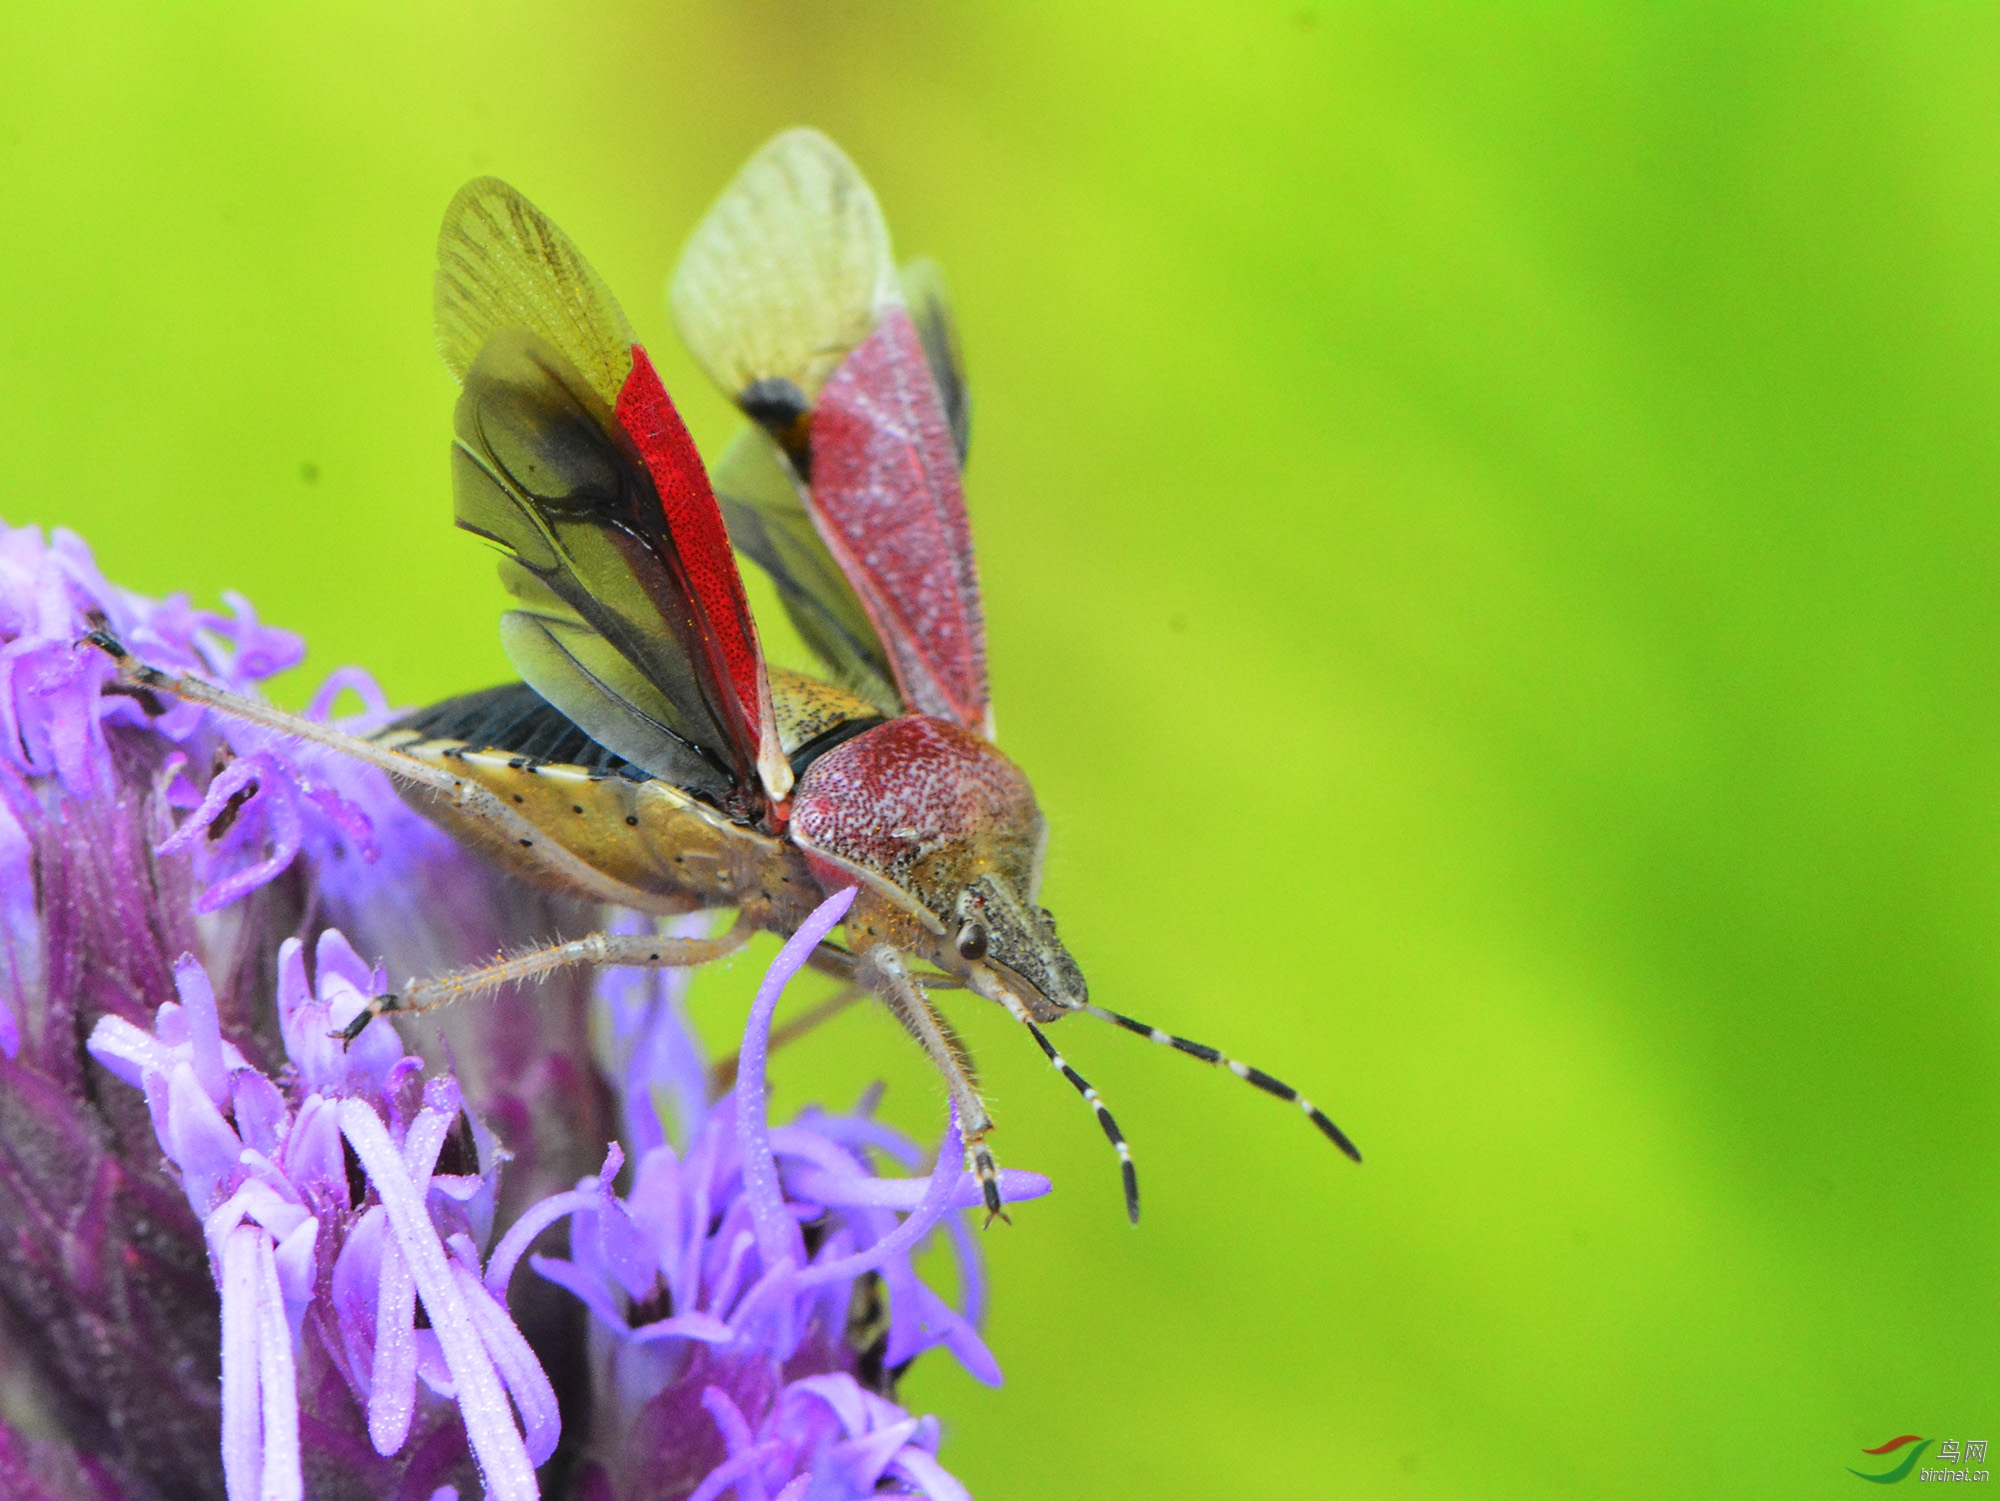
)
(644, 950)
(722, 1074)
(465, 797)
(1243, 1071)
(883, 972)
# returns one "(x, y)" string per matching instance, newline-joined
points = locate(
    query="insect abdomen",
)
(675, 852)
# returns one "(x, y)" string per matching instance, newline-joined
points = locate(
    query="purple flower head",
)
(761, 1258)
(307, 1252)
(826, 1436)
(249, 1261)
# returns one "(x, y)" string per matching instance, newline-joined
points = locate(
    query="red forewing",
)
(701, 544)
(632, 618)
(887, 499)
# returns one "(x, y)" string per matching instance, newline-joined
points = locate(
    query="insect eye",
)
(972, 942)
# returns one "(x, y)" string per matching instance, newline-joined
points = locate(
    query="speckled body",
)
(674, 852)
(935, 825)
(940, 829)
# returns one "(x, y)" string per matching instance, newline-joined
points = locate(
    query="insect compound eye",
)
(972, 942)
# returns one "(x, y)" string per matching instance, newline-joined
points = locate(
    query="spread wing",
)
(631, 616)
(788, 295)
(766, 511)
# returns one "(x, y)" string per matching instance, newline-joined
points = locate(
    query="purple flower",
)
(727, 1281)
(302, 1260)
(248, 1261)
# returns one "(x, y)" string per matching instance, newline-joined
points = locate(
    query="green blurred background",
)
(1489, 536)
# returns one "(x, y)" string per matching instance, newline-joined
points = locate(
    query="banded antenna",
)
(1096, 1102)
(1266, 1082)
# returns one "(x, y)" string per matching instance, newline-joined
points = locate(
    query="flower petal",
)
(521, 1234)
(736, 1432)
(705, 1327)
(204, 1028)
(736, 1468)
(489, 1425)
(591, 1289)
(278, 1378)
(526, 1383)
(928, 1476)
(392, 1381)
(20, 930)
(127, 1051)
(853, 1191)
(778, 1237)
(904, 1238)
(199, 1140)
(242, 1412)
(920, 1320)
(862, 1460)
(260, 1414)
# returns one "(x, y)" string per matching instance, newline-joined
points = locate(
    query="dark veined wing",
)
(631, 616)
(788, 295)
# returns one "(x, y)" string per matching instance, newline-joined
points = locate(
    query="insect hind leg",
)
(532, 849)
(1255, 1076)
(138, 677)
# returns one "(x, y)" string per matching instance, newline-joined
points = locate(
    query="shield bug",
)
(649, 757)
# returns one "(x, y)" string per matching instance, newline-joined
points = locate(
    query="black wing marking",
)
(515, 720)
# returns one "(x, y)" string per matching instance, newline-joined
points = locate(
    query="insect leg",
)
(639, 949)
(882, 970)
(1091, 1097)
(465, 796)
(135, 674)
(1242, 1071)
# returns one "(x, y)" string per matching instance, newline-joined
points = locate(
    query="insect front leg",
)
(883, 972)
(639, 950)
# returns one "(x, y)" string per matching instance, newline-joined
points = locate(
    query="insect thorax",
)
(945, 831)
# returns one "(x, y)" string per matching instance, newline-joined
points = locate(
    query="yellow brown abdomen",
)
(671, 851)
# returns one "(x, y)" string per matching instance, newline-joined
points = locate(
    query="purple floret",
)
(736, 1267)
(317, 1264)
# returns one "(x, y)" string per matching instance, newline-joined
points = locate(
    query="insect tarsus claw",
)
(994, 1208)
(104, 641)
(373, 1009)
